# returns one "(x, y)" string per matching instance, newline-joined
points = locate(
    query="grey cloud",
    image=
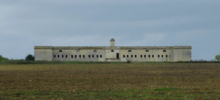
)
(26, 23)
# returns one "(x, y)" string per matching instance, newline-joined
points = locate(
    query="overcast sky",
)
(28, 23)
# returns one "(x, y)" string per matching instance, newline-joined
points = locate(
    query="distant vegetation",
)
(217, 57)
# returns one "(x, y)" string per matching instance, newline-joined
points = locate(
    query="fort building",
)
(113, 53)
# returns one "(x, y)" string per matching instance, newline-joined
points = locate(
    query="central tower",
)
(112, 42)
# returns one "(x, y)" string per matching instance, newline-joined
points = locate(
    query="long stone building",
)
(113, 53)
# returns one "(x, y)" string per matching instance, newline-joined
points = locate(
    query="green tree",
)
(29, 58)
(2, 59)
(217, 57)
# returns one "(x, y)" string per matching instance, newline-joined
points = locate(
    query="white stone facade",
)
(113, 53)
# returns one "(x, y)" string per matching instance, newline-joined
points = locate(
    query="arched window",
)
(71, 56)
(127, 56)
(54, 56)
(164, 50)
(141, 56)
(147, 50)
(112, 50)
(123, 56)
(60, 51)
(75, 56)
(66, 56)
(97, 56)
(129, 50)
(83, 56)
(89, 56)
(58, 56)
(100, 56)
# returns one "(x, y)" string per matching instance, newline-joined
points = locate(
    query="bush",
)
(29, 58)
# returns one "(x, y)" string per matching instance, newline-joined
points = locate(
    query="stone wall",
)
(129, 53)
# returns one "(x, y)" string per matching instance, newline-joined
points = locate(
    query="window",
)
(71, 56)
(144, 56)
(100, 56)
(60, 51)
(147, 50)
(152, 56)
(66, 56)
(83, 56)
(92, 56)
(97, 56)
(62, 56)
(135, 56)
(112, 50)
(148, 56)
(127, 56)
(141, 56)
(162, 56)
(89, 56)
(79, 56)
(166, 56)
(131, 56)
(129, 50)
(54, 56)
(164, 51)
(123, 56)
(158, 56)
(75, 56)
(95, 50)
(58, 56)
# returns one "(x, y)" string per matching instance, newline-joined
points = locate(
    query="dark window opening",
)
(54, 56)
(97, 56)
(158, 56)
(60, 51)
(135, 56)
(144, 56)
(79, 56)
(166, 56)
(92, 56)
(117, 55)
(162, 56)
(129, 50)
(112, 50)
(89, 56)
(75, 56)
(141, 56)
(95, 50)
(58, 56)
(152, 56)
(66, 56)
(164, 51)
(123, 56)
(131, 56)
(147, 50)
(127, 56)
(62, 56)
(148, 56)
(100, 56)
(71, 56)
(83, 56)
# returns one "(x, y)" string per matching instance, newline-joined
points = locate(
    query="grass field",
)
(122, 81)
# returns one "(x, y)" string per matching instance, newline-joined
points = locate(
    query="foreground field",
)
(110, 81)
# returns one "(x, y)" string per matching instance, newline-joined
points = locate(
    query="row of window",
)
(80, 56)
(113, 51)
(146, 56)
(97, 56)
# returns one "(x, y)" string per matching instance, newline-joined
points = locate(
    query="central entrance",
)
(117, 55)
